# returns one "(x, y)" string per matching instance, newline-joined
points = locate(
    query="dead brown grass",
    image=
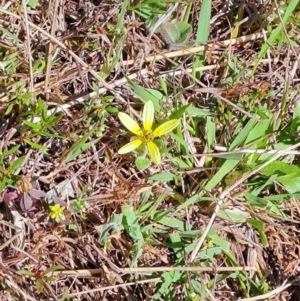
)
(90, 270)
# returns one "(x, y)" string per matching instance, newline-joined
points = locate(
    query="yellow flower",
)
(57, 213)
(146, 135)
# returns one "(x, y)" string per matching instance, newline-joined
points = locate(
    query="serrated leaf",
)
(36, 146)
(16, 164)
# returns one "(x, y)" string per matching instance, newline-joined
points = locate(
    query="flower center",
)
(147, 136)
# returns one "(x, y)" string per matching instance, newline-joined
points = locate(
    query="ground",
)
(206, 207)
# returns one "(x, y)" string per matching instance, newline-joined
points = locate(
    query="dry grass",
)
(61, 54)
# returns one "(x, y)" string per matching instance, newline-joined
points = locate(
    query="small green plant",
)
(146, 135)
(78, 206)
(40, 277)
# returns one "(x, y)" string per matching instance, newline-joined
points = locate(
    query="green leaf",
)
(176, 244)
(194, 111)
(225, 169)
(35, 145)
(256, 201)
(105, 231)
(35, 126)
(168, 279)
(280, 168)
(211, 132)
(112, 57)
(194, 199)
(135, 232)
(199, 289)
(163, 176)
(295, 125)
(25, 273)
(129, 216)
(266, 202)
(147, 94)
(256, 191)
(224, 244)
(178, 161)
(14, 37)
(10, 151)
(210, 253)
(230, 216)
(157, 94)
(290, 182)
(142, 163)
(180, 141)
(79, 147)
(204, 22)
(175, 33)
(9, 108)
(39, 65)
(64, 296)
(163, 85)
(151, 211)
(52, 269)
(121, 17)
(276, 32)
(287, 175)
(259, 225)
(258, 131)
(172, 223)
(16, 164)
(242, 135)
(178, 113)
(130, 223)
(32, 3)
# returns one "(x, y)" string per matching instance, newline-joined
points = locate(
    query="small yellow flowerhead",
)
(146, 135)
(56, 213)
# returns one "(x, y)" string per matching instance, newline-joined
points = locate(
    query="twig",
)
(189, 51)
(268, 295)
(151, 270)
(101, 289)
(50, 47)
(28, 45)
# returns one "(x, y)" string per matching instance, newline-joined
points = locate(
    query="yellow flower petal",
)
(148, 116)
(130, 124)
(129, 147)
(56, 209)
(56, 213)
(165, 128)
(153, 152)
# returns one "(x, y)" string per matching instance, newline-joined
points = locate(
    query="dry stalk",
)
(151, 270)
